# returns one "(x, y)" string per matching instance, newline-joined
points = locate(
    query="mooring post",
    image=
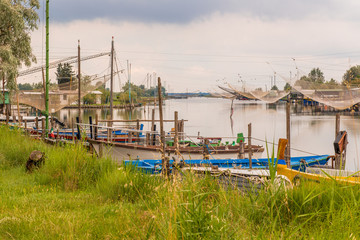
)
(241, 154)
(165, 161)
(91, 128)
(137, 128)
(25, 122)
(153, 128)
(78, 128)
(72, 129)
(249, 146)
(337, 130)
(176, 134)
(288, 129)
(43, 127)
(96, 126)
(37, 125)
(206, 153)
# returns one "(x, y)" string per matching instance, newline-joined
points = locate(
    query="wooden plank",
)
(140, 120)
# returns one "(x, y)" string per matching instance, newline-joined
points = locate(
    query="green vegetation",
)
(18, 19)
(77, 196)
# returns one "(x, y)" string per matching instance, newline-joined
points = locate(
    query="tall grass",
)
(76, 196)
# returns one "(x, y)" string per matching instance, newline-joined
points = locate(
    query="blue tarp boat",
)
(297, 163)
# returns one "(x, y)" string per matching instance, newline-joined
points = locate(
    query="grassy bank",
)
(76, 196)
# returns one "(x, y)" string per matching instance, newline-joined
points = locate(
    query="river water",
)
(310, 134)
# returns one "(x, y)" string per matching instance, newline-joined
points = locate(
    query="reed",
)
(76, 196)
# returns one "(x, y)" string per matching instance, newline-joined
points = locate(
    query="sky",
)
(199, 44)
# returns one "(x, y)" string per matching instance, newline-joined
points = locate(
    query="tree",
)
(17, 20)
(274, 88)
(352, 76)
(287, 87)
(25, 86)
(65, 75)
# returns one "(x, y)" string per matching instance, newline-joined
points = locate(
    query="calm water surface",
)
(310, 134)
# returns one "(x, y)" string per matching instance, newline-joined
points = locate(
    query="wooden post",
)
(43, 127)
(241, 154)
(249, 146)
(7, 113)
(153, 128)
(91, 128)
(130, 137)
(37, 125)
(206, 153)
(337, 130)
(78, 128)
(101, 150)
(288, 131)
(176, 134)
(147, 139)
(72, 129)
(79, 84)
(25, 122)
(96, 127)
(137, 128)
(165, 163)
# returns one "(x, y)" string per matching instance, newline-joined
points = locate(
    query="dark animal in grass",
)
(36, 159)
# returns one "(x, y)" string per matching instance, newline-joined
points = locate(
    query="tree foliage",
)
(17, 19)
(64, 74)
(352, 76)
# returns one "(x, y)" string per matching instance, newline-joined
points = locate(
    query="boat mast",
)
(129, 82)
(47, 69)
(111, 78)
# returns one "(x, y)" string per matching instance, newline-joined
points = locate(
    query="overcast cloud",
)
(184, 11)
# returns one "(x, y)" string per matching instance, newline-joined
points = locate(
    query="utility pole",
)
(47, 68)
(79, 84)
(112, 78)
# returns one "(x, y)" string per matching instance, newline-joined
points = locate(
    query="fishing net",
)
(332, 93)
(65, 90)
(265, 89)
(60, 95)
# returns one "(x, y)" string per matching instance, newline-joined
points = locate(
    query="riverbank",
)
(75, 195)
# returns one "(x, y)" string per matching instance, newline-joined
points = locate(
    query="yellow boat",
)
(318, 175)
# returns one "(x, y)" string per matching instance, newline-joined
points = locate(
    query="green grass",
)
(76, 196)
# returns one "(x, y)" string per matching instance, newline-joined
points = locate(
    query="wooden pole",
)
(337, 130)
(37, 124)
(79, 82)
(206, 153)
(43, 127)
(17, 103)
(72, 129)
(44, 84)
(241, 150)
(165, 164)
(249, 146)
(137, 128)
(91, 128)
(288, 132)
(176, 135)
(96, 127)
(153, 126)
(111, 78)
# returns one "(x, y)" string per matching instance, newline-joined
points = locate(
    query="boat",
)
(134, 151)
(318, 174)
(297, 163)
